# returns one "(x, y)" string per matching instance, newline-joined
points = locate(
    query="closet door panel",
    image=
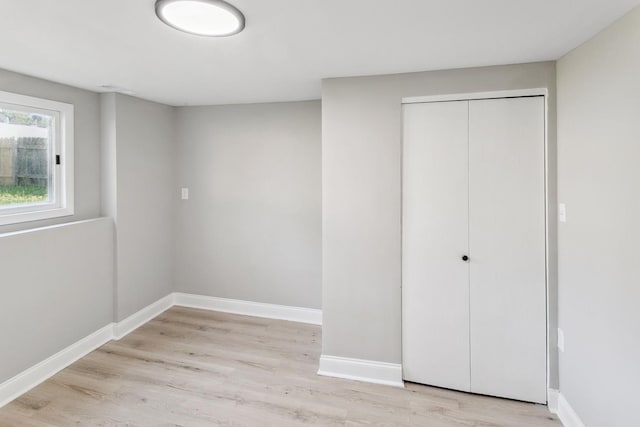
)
(435, 289)
(507, 248)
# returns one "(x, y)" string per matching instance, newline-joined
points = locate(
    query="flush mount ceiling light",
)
(212, 18)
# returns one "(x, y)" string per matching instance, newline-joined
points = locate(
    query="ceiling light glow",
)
(213, 18)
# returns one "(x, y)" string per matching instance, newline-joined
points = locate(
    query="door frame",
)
(516, 93)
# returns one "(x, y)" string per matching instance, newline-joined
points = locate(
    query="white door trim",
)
(476, 95)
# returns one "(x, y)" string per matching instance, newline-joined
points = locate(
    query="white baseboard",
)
(567, 415)
(559, 405)
(248, 308)
(26, 380)
(133, 322)
(552, 400)
(361, 370)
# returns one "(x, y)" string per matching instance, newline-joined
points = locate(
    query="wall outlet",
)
(562, 212)
(185, 194)
(560, 340)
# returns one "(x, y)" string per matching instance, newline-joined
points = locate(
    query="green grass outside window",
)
(12, 195)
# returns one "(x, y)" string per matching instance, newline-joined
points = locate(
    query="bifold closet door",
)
(473, 184)
(507, 248)
(435, 280)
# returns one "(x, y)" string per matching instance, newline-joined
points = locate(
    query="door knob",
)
(465, 258)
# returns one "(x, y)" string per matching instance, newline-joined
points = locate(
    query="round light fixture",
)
(212, 18)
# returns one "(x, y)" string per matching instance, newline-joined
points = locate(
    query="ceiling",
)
(288, 46)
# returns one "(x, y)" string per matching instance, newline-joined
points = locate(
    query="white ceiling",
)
(288, 46)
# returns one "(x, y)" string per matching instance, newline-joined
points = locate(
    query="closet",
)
(473, 242)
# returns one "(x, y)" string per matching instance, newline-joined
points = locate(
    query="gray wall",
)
(251, 229)
(86, 142)
(138, 152)
(69, 294)
(361, 154)
(108, 176)
(56, 289)
(108, 161)
(599, 180)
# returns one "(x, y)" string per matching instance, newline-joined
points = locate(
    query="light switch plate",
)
(562, 212)
(560, 340)
(185, 194)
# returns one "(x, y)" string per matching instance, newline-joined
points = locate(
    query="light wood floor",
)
(197, 368)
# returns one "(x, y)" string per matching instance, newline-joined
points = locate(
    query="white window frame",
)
(61, 176)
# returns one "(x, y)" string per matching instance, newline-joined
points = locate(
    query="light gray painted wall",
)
(124, 169)
(108, 163)
(599, 180)
(361, 153)
(56, 289)
(86, 142)
(144, 200)
(108, 174)
(70, 294)
(251, 229)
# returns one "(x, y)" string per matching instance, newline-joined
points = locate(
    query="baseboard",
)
(361, 370)
(26, 380)
(248, 308)
(559, 405)
(133, 322)
(567, 415)
(552, 400)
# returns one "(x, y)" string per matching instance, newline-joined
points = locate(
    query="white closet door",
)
(507, 248)
(435, 280)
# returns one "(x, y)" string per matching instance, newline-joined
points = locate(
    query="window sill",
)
(35, 215)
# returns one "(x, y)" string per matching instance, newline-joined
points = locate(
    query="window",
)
(36, 159)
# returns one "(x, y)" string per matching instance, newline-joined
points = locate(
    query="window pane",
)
(25, 157)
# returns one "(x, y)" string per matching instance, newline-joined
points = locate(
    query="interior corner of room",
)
(472, 229)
